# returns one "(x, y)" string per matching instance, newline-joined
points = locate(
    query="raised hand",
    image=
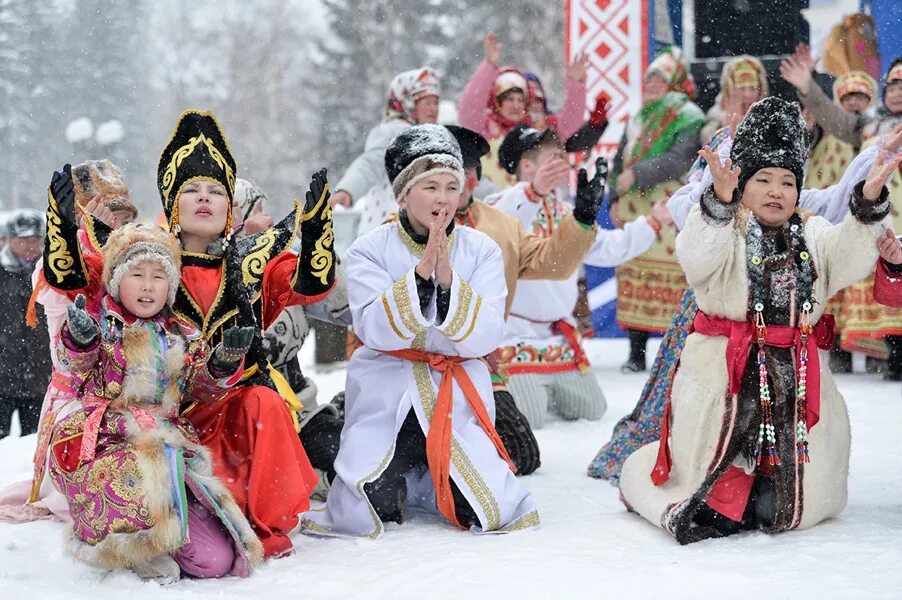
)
(551, 175)
(341, 197)
(578, 68)
(317, 239)
(726, 176)
(590, 193)
(733, 123)
(889, 247)
(82, 328)
(660, 212)
(804, 57)
(100, 211)
(257, 223)
(884, 168)
(492, 48)
(63, 192)
(625, 181)
(796, 73)
(893, 141)
(599, 116)
(317, 195)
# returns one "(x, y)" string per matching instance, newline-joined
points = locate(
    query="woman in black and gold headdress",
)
(246, 281)
(225, 282)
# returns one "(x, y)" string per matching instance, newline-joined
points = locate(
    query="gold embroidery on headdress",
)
(184, 152)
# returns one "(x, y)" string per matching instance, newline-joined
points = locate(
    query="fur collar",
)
(757, 256)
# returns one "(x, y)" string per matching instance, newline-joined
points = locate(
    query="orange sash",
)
(438, 440)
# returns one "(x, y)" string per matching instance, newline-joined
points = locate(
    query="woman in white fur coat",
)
(756, 435)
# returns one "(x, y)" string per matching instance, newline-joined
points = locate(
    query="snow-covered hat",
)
(249, 195)
(132, 244)
(103, 180)
(25, 222)
(419, 151)
(772, 134)
(472, 145)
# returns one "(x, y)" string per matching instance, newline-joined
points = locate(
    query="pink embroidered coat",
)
(126, 460)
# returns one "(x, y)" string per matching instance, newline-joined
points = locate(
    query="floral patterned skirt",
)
(643, 425)
(107, 494)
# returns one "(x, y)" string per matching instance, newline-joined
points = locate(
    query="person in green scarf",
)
(656, 151)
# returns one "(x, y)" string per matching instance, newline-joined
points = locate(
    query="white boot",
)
(163, 569)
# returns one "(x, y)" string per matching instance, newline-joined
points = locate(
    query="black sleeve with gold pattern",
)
(255, 251)
(315, 273)
(64, 266)
(98, 232)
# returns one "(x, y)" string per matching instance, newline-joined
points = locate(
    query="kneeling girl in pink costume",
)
(140, 488)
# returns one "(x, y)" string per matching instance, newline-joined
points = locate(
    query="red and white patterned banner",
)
(614, 34)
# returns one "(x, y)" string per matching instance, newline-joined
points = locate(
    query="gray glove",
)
(236, 341)
(82, 328)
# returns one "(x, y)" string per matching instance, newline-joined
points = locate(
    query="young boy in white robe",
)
(542, 355)
(427, 301)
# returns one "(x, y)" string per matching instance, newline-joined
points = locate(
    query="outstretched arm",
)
(315, 272)
(64, 265)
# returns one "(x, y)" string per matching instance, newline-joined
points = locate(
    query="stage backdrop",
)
(615, 34)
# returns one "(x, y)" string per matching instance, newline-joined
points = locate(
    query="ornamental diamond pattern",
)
(613, 33)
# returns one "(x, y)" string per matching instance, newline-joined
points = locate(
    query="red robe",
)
(256, 451)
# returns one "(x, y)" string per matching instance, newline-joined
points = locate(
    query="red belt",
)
(741, 334)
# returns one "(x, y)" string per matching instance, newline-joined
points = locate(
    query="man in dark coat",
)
(24, 356)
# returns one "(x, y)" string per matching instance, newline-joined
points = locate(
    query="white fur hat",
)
(132, 244)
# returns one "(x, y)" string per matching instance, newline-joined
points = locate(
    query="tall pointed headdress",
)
(197, 151)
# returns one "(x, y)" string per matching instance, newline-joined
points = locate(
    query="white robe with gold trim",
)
(381, 389)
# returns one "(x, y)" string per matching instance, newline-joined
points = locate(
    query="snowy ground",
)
(587, 547)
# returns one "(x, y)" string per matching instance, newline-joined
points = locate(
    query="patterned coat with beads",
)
(711, 429)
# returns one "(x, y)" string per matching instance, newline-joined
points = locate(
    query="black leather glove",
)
(63, 191)
(590, 193)
(317, 258)
(82, 328)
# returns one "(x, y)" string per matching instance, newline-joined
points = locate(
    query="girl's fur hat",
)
(133, 244)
